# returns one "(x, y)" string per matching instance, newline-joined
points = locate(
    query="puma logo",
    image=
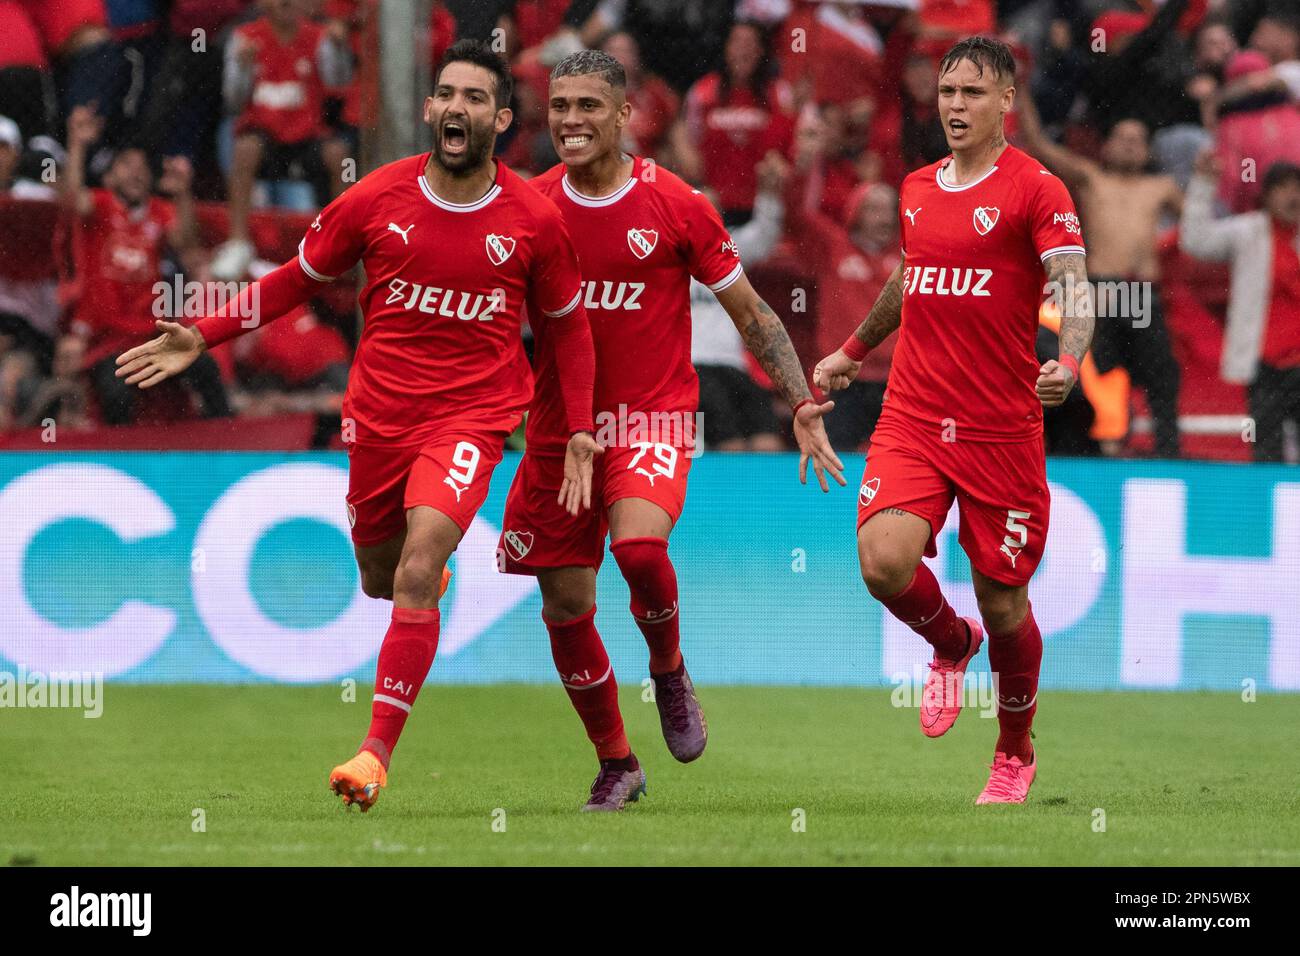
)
(911, 214)
(459, 489)
(393, 227)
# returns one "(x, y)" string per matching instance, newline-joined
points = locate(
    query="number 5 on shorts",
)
(1015, 527)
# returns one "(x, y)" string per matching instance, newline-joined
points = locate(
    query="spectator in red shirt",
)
(297, 353)
(277, 69)
(124, 231)
(733, 119)
(837, 60)
(1255, 131)
(851, 261)
(654, 104)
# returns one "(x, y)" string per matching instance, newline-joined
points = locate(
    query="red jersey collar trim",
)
(441, 203)
(583, 199)
(938, 178)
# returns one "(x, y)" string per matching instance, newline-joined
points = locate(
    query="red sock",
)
(404, 661)
(653, 583)
(588, 678)
(923, 608)
(1015, 660)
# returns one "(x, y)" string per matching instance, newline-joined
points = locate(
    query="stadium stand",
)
(842, 91)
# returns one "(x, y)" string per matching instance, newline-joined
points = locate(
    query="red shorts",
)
(450, 473)
(537, 533)
(1000, 488)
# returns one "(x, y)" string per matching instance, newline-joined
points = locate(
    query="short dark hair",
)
(1279, 174)
(480, 54)
(985, 52)
(588, 62)
(1114, 121)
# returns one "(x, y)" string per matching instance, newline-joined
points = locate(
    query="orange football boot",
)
(359, 780)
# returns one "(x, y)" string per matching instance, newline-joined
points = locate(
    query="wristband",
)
(1070, 362)
(855, 348)
(801, 403)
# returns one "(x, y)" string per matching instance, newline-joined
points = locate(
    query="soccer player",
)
(963, 412)
(454, 245)
(641, 234)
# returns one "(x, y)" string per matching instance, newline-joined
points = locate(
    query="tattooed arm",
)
(769, 343)
(840, 368)
(1067, 273)
(766, 339)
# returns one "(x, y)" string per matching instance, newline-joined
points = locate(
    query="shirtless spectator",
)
(1122, 202)
(277, 70)
(124, 232)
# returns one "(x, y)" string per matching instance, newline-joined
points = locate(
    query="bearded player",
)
(454, 245)
(641, 235)
(963, 413)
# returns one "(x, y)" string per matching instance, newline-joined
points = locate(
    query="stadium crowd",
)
(149, 144)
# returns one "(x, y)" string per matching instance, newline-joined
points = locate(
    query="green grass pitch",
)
(1183, 778)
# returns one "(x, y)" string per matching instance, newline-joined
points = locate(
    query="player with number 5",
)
(963, 413)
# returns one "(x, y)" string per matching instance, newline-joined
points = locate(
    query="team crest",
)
(986, 217)
(499, 248)
(642, 241)
(352, 515)
(518, 543)
(868, 491)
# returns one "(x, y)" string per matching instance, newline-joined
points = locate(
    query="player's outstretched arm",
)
(178, 347)
(840, 368)
(768, 341)
(1067, 272)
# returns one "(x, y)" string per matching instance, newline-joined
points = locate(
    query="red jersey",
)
(847, 278)
(847, 64)
(445, 288)
(119, 258)
(733, 131)
(288, 94)
(297, 348)
(972, 285)
(639, 247)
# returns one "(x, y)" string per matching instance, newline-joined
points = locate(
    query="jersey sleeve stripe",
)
(728, 279)
(573, 304)
(1063, 250)
(306, 266)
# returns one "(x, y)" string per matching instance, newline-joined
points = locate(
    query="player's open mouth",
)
(957, 126)
(454, 137)
(576, 141)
